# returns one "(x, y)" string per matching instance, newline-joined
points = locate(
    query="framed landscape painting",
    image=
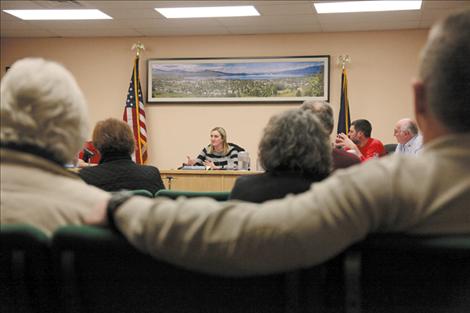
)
(284, 79)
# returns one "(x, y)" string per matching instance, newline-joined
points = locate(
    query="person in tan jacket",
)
(429, 194)
(44, 125)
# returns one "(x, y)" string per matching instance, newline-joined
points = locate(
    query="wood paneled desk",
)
(200, 180)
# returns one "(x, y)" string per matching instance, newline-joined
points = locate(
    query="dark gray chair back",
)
(102, 272)
(390, 148)
(26, 281)
(405, 274)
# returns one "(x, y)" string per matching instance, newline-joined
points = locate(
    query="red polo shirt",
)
(372, 148)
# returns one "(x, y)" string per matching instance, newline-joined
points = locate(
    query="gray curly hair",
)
(42, 105)
(295, 140)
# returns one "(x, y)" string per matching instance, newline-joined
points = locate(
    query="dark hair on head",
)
(363, 126)
(113, 135)
(445, 71)
(295, 140)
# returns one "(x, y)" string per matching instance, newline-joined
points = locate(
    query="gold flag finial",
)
(138, 47)
(343, 60)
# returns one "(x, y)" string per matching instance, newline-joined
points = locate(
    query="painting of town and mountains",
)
(286, 79)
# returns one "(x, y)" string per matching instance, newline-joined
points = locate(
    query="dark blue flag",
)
(344, 119)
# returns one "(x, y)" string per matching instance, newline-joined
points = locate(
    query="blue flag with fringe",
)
(344, 119)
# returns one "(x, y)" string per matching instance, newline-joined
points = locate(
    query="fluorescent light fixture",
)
(197, 12)
(366, 6)
(91, 14)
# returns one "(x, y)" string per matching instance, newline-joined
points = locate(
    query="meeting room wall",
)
(383, 66)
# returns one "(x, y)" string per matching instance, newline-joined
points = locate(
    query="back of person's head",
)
(445, 71)
(295, 140)
(43, 107)
(364, 126)
(323, 111)
(113, 136)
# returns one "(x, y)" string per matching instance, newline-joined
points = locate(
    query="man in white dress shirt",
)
(408, 138)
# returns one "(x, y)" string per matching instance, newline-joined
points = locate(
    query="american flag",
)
(134, 115)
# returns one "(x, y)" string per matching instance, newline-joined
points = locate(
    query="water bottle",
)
(243, 161)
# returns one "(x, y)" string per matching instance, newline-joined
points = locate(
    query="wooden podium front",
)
(200, 180)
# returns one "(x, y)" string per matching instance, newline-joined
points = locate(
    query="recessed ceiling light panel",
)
(88, 14)
(199, 12)
(366, 6)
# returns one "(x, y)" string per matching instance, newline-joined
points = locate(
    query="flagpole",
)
(344, 114)
(138, 47)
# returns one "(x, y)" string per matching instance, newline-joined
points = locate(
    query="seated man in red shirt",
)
(359, 141)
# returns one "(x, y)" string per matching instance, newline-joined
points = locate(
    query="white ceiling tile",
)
(269, 20)
(127, 32)
(76, 25)
(426, 23)
(18, 5)
(127, 13)
(122, 4)
(53, 5)
(17, 25)
(431, 4)
(131, 17)
(392, 17)
(26, 33)
(181, 31)
(287, 9)
(436, 14)
(337, 27)
(144, 22)
(274, 30)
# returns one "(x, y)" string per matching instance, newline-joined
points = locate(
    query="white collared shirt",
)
(412, 146)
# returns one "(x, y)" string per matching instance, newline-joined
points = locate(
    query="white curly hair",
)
(42, 105)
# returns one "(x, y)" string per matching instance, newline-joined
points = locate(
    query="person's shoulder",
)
(250, 178)
(150, 168)
(89, 169)
(244, 187)
(102, 168)
(376, 142)
(85, 182)
(92, 174)
(344, 153)
(275, 178)
(342, 158)
(235, 147)
(81, 187)
(233, 151)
